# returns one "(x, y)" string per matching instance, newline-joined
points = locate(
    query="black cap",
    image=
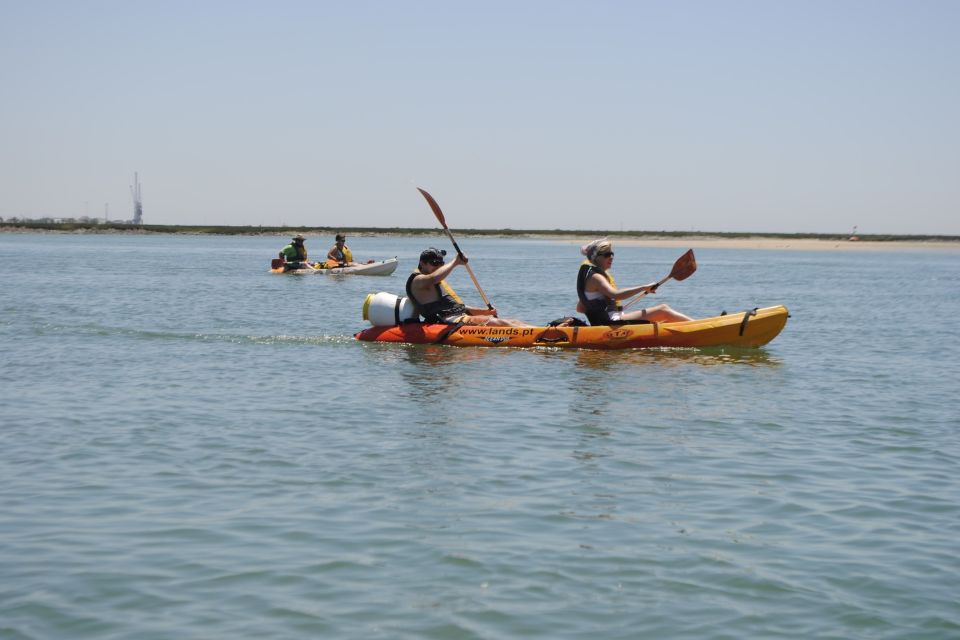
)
(432, 255)
(340, 236)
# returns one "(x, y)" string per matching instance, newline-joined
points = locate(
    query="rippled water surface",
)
(192, 447)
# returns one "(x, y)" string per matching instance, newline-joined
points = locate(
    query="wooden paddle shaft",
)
(637, 297)
(467, 266)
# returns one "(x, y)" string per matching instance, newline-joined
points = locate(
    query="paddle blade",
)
(684, 267)
(433, 205)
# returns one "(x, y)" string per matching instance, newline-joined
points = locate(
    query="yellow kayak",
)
(743, 329)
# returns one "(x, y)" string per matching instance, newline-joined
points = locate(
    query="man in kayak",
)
(437, 302)
(600, 299)
(294, 255)
(340, 253)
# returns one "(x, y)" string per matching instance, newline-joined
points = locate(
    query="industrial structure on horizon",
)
(137, 201)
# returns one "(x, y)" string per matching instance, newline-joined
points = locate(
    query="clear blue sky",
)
(764, 115)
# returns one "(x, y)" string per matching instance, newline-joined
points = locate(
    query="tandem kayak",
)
(743, 329)
(376, 268)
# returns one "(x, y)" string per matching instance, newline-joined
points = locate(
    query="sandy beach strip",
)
(773, 244)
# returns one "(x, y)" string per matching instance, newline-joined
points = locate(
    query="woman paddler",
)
(340, 254)
(600, 298)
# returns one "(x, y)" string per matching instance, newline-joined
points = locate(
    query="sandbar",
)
(775, 244)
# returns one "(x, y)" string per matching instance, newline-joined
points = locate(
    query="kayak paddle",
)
(683, 268)
(436, 211)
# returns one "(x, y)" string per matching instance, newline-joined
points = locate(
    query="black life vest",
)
(446, 306)
(597, 311)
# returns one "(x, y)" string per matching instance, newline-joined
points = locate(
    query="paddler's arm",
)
(424, 283)
(476, 311)
(471, 311)
(440, 274)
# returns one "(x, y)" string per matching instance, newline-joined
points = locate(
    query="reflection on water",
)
(435, 373)
(444, 355)
(437, 355)
(604, 360)
(648, 388)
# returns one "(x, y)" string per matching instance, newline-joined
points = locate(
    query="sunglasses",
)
(436, 262)
(606, 254)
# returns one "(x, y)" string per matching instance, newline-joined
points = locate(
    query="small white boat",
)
(374, 268)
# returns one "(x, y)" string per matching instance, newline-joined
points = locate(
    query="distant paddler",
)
(340, 254)
(294, 255)
(601, 300)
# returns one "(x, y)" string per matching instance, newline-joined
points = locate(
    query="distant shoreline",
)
(679, 239)
(795, 244)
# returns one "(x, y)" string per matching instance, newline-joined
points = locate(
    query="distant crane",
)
(137, 200)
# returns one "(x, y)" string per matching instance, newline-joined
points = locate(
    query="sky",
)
(770, 116)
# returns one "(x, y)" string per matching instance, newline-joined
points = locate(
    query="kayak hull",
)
(744, 329)
(378, 268)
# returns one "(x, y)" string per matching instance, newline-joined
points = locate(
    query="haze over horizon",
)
(735, 116)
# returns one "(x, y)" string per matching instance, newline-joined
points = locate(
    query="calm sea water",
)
(192, 447)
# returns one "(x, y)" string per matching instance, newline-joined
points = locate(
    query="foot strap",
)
(446, 334)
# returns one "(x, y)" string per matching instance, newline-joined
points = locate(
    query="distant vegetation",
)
(94, 226)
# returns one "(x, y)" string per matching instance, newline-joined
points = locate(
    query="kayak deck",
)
(743, 329)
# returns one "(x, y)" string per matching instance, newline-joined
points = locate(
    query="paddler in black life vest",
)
(295, 255)
(601, 300)
(437, 302)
